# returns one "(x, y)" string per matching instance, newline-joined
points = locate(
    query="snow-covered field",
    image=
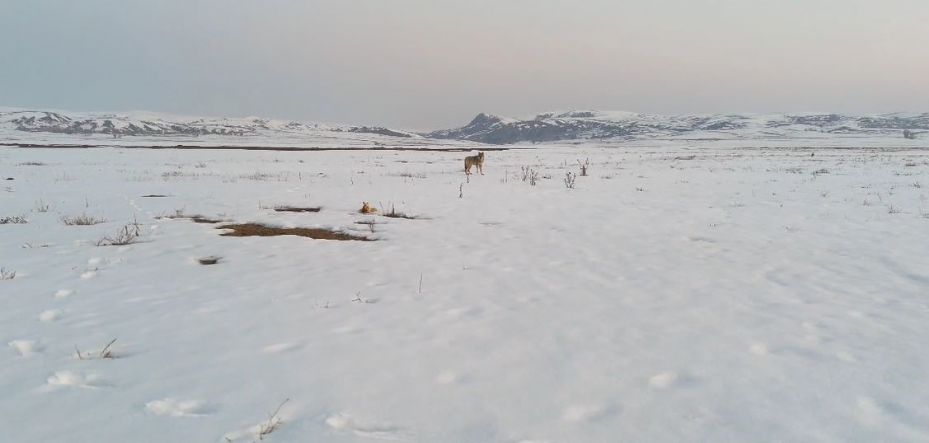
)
(675, 294)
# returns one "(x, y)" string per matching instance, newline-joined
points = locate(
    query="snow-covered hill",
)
(149, 129)
(140, 124)
(580, 125)
(144, 129)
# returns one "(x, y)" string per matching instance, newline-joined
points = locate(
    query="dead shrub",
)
(128, 235)
(569, 179)
(274, 422)
(584, 167)
(530, 175)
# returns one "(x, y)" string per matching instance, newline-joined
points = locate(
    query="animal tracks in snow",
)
(50, 315)
(347, 423)
(178, 408)
(581, 413)
(759, 348)
(447, 378)
(280, 348)
(65, 379)
(663, 380)
(26, 348)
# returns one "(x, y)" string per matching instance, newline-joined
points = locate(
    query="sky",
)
(428, 64)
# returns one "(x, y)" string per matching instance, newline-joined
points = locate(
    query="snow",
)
(754, 291)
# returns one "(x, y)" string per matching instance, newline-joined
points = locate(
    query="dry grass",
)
(81, 220)
(409, 175)
(106, 353)
(259, 230)
(393, 213)
(13, 220)
(40, 206)
(529, 174)
(274, 422)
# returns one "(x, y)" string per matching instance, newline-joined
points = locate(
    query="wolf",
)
(476, 161)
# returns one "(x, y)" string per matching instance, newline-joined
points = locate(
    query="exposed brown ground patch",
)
(258, 230)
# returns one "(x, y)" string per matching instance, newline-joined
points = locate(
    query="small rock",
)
(211, 260)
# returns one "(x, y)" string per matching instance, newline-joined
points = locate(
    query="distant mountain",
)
(155, 125)
(138, 127)
(580, 125)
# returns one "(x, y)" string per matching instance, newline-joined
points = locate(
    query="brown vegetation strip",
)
(402, 215)
(296, 209)
(193, 218)
(257, 230)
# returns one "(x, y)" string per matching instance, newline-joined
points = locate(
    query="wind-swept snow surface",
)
(675, 294)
